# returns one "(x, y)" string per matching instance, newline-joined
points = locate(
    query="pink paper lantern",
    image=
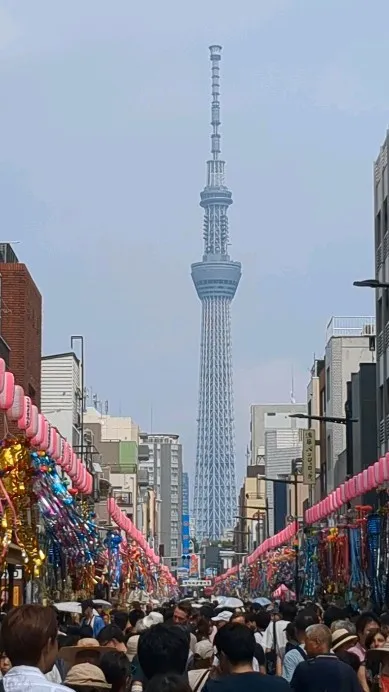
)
(7, 393)
(46, 434)
(37, 440)
(371, 479)
(338, 494)
(66, 456)
(32, 428)
(3, 369)
(25, 418)
(57, 452)
(16, 410)
(379, 471)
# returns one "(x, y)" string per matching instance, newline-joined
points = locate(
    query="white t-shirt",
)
(260, 638)
(280, 627)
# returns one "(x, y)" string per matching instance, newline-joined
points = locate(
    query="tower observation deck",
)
(216, 280)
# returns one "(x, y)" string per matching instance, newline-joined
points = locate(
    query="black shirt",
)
(325, 674)
(247, 682)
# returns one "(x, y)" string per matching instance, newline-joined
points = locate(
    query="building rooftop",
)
(350, 326)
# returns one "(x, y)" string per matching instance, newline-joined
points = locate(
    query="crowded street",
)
(194, 346)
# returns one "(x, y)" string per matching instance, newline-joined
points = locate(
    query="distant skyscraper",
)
(216, 279)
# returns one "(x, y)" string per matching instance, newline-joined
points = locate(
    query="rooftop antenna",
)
(292, 397)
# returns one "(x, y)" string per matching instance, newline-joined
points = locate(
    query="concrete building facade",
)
(350, 341)
(61, 396)
(381, 246)
(21, 322)
(282, 446)
(316, 407)
(165, 470)
(265, 417)
(361, 398)
(251, 525)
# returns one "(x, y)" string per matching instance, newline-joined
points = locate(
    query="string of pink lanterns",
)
(42, 435)
(372, 478)
(125, 524)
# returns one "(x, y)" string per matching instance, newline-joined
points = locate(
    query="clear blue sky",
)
(104, 136)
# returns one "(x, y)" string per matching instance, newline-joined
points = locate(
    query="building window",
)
(123, 498)
(328, 383)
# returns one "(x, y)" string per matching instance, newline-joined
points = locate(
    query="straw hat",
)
(341, 637)
(85, 674)
(378, 654)
(69, 653)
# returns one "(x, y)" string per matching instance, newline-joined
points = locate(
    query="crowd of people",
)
(177, 648)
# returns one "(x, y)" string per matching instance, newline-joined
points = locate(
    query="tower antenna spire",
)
(215, 52)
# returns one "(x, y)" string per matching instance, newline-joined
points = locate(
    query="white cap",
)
(224, 616)
(153, 619)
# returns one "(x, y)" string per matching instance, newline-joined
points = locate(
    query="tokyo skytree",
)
(216, 279)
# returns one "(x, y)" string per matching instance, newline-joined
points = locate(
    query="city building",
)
(251, 526)
(21, 323)
(114, 441)
(165, 477)
(185, 540)
(382, 294)
(283, 449)
(61, 396)
(265, 417)
(362, 404)
(316, 406)
(350, 341)
(216, 280)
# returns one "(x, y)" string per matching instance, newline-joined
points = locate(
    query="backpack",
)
(293, 647)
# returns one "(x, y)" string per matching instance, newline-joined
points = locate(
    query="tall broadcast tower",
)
(216, 279)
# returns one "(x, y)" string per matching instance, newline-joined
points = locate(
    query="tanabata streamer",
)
(19, 518)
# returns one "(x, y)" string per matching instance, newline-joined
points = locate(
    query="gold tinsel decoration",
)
(17, 499)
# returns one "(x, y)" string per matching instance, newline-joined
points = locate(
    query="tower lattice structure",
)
(216, 279)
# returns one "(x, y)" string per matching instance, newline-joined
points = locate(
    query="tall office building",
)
(350, 341)
(185, 518)
(216, 280)
(165, 477)
(381, 225)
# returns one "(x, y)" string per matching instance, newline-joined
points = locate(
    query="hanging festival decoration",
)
(19, 517)
(112, 542)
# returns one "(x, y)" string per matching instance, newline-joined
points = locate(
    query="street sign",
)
(197, 582)
(309, 457)
(182, 572)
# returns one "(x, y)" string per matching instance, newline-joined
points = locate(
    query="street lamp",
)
(371, 283)
(346, 420)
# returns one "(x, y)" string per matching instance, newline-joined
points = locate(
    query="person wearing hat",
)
(87, 650)
(96, 622)
(380, 657)
(222, 618)
(343, 640)
(323, 671)
(203, 658)
(86, 676)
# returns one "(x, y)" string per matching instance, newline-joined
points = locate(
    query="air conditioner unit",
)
(368, 330)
